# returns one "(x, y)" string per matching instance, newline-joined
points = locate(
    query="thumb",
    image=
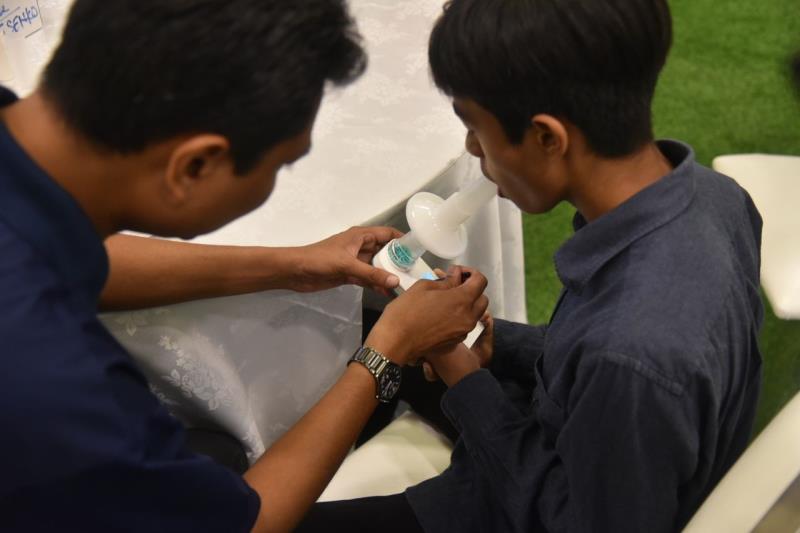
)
(453, 278)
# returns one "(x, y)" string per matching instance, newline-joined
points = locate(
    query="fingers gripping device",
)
(437, 226)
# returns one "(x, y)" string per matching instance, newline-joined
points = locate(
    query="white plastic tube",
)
(463, 204)
(439, 224)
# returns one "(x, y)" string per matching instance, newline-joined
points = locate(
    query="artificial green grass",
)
(726, 89)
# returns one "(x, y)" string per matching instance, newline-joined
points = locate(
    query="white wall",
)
(29, 31)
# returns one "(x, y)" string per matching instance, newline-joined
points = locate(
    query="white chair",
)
(406, 452)
(773, 182)
(761, 492)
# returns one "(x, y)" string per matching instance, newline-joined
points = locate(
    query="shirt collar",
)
(595, 244)
(43, 214)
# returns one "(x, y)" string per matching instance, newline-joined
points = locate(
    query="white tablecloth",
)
(253, 364)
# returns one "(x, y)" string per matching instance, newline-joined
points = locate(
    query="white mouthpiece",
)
(465, 203)
(438, 223)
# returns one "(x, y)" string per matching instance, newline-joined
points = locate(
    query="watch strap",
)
(376, 363)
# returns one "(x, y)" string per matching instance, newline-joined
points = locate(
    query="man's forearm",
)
(148, 272)
(292, 474)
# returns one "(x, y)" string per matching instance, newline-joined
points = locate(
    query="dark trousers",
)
(219, 446)
(379, 514)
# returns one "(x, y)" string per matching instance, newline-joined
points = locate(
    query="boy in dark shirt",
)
(626, 409)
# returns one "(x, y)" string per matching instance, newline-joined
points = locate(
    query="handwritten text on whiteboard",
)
(20, 19)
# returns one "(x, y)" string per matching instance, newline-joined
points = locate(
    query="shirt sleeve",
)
(613, 459)
(516, 349)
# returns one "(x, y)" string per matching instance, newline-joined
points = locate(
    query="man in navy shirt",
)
(626, 409)
(170, 118)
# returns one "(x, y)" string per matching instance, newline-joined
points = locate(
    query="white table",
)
(254, 364)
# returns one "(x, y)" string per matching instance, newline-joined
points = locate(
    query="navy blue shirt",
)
(85, 446)
(625, 411)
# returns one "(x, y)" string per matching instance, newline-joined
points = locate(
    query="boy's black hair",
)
(796, 71)
(130, 73)
(592, 62)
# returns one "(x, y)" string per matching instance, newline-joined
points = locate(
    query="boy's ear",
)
(193, 162)
(550, 134)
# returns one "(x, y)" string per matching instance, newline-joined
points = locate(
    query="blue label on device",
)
(429, 276)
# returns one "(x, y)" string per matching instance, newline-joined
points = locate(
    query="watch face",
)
(389, 382)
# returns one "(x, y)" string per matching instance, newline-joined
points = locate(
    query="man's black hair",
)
(130, 73)
(796, 71)
(592, 62)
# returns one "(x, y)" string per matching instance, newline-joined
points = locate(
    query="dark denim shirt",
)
(85, 445)
(625, 411)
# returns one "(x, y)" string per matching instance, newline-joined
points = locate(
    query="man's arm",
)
(292, 474)
(148, 272)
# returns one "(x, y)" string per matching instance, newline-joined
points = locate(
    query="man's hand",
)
(343, 259)
(430, 316)
(453, 365)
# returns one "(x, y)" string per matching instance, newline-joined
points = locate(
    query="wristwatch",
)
(387, 374)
